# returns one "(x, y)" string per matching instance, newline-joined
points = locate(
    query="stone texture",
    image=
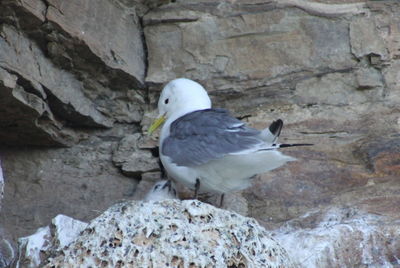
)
(89, 78)
(84, 40)
(242, 54)
(79, 181)
(365, 39)
(332, 78)
(345, 139)
(93, 23)
(132, 160)
(29, 81)
(7, 252)
(172, 233)
(63, 58)
(359, 238)
(65, 80)
(1, 184)
(21, 56)
(35, 248)
(32, 246)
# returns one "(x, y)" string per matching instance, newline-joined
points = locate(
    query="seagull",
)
(207, 149)
(162, 190)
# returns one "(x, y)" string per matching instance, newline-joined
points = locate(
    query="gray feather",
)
(205, 135)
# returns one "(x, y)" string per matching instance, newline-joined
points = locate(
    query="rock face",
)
(79, 83)
(171, 234)
(57, 69)
(7, 252)
(360, 239)
(35, 248)
(1, 184)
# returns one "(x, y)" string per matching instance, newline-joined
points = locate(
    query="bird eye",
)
(166, 101)
(156, 187)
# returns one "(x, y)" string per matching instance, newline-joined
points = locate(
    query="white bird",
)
(207, 149)
(162, 190)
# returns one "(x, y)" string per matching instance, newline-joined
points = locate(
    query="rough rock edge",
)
(43, 32)
(179, 233)
(1, 184)
(31, 18)
(322, 9)
(132, 160)
(312, 8)
(74, 42)
(329, 238)
(34, 248)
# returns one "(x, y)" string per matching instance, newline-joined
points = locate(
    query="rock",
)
(31, 247)
(28, 116)
(365, 39)
(328, 68)
(109, 60)
(64, 91)
(360, 239)
(369, 78)
(41, 93)
(89, 80)
(180, 233)
(120, 48)
(1, 184)
(392, 78)
(340, 160)
(244, 56)
(34, 248)
(7, 252)
(80, 181)
(332, 87)
(132, 160)
(381, 154)
(71, 29)
(65, 230)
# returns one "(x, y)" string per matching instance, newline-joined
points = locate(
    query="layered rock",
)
(80, 181)
(319, 67)
(254, 53)
(68, 77)
(74, 74)
(62, 71)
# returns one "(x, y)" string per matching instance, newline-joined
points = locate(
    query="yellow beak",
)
(156, 124)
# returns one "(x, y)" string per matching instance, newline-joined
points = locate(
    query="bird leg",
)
(196, 188)
(221, 202)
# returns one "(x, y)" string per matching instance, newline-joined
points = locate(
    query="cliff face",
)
(79, 81)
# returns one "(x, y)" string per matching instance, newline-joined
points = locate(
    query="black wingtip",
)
(295, 144)
(276, 127)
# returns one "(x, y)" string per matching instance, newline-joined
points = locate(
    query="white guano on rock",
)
(172, 233)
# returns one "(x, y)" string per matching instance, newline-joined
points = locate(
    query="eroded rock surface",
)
(88, 76)
(34, 249)
(63, 72)
(172, 233)
(341, 237)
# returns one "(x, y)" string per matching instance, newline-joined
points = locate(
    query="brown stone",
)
(77, 74)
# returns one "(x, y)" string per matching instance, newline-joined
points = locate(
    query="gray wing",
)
(204, 135)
